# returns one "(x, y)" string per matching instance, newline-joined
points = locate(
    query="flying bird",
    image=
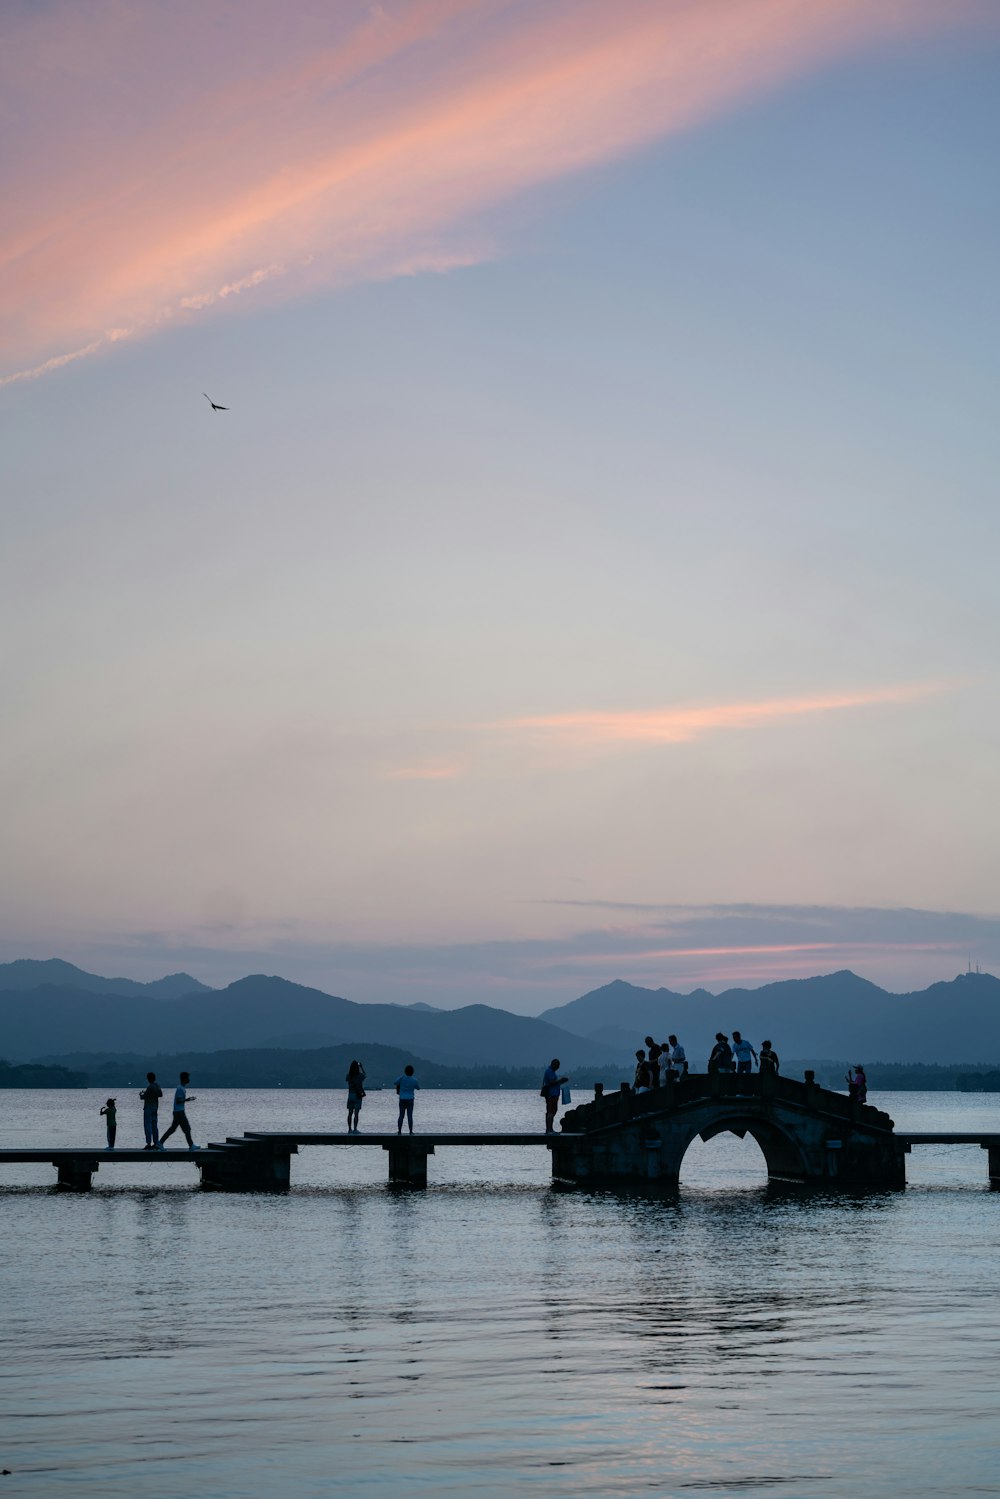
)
(213, 404)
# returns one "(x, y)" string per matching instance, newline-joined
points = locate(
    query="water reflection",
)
(731, 1337)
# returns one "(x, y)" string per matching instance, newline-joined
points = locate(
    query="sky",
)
(592, 575)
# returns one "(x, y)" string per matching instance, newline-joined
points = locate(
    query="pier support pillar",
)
(408, 1162)
(76, 1174)
(993, 1164)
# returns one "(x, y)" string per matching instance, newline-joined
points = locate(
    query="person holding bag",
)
(355, 1095)
(551, 1091)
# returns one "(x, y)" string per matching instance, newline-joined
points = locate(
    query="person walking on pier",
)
(355, 1095)
(110, 1111)
(406, 1086)
(653, 1055)
(552, 1092)
(180, 1119)
(743, 1051)
(151, 1095)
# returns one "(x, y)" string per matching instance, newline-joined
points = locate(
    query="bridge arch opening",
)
(724, 1161)
(755, 1150)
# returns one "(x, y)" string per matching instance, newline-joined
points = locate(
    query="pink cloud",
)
(174, 158)
(682, 724)
(432, 770)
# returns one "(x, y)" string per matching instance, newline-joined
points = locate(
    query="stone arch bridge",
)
(806, 1133)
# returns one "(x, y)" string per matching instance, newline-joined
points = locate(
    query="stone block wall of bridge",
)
(806, 1133)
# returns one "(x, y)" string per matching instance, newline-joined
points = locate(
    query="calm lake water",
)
(495, 1333)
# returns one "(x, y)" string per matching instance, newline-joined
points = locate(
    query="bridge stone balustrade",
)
(806, 1133)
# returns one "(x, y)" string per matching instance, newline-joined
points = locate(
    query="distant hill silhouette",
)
(833, 1015)
(268, 1067)
(326, 1067)
(837, 1014)
(35, 1075)
(25, 974)
(266, 1011)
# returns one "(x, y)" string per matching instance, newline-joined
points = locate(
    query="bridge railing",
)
(611, 1109)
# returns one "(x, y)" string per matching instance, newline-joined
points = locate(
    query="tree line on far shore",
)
(277, 1067)
(38, 1075)
(326, 1067)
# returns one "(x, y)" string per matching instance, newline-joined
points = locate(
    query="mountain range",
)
(836, 1015)
(51, 1009)
(32, 973)
(54, 1020)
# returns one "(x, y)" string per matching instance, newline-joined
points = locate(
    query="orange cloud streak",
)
(620, 959)
(303, 156)
(681, 725)
(432, 771)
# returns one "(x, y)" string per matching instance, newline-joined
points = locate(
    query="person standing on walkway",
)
(678, 1056)
(640, 1082)
(653, 1055)
(355, 1095)
(552, 1092)
(721, 1059)
(110, 1112)
(180, 1119)
(768, 1058)
(743, 1051)
(857, 1084)
(406, 1087)
(151, 1095)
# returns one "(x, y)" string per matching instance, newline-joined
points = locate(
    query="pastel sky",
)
(594, 574)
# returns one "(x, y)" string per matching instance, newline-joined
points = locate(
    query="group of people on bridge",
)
(669, 1059)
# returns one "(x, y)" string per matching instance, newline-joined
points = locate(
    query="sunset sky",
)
(595, 572)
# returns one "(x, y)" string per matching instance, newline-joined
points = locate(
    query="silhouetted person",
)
(653, 1055)
(151, 1095)
(551, 1091)
(678, 1056)
(721, 1059)
(180, 1119)
(355, 1095)
(640, 1081)
(406, 1087)
(110, 1111)
(857, 1084)
(768, 1061)
(743, 1051)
